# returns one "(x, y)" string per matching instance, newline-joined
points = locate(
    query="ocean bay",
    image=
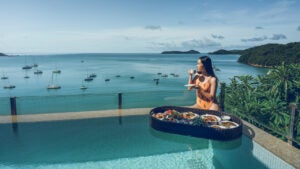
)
(140, 91)
(143, 67)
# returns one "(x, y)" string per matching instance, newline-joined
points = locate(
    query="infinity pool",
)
(122, 142)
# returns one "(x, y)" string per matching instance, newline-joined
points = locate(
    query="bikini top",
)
(205, 86)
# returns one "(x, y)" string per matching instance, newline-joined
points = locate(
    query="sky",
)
(144, 26)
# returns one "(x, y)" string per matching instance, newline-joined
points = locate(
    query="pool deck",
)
(278, 147)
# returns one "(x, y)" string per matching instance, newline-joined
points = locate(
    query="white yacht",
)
(52, 85)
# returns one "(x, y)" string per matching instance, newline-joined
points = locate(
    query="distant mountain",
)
(2, 54)
(224, 52)
(267, 55)
(271, 54)
(181, 52)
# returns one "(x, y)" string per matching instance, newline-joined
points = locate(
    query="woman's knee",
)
(215, 107)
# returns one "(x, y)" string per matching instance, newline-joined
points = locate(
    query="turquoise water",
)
(141, 91)
(75, 67)
(122, 142)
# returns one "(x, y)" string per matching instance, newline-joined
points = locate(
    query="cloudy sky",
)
(144, 26)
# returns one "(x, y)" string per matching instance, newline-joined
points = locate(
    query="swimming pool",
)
(122, 142)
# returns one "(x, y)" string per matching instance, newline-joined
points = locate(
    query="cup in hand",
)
(192, 71)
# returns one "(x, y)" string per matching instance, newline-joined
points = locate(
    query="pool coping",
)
(281, 149)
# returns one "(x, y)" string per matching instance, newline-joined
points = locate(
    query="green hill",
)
(271, 54)
(267, 55)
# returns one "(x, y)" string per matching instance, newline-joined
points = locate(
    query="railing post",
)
(13, 106)
(120, 100)
(293, 128)
(222, 96)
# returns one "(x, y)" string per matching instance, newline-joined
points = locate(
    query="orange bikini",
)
(203, 102)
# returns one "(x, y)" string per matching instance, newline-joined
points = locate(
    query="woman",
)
(205, 82)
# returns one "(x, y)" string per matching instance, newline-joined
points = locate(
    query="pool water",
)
(122, 142)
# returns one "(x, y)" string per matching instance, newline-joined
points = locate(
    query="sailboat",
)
(83, 87)
(26, 67)
(38, 72)
(52, 85)
(56, 70)
(4, 77)
(26, 76)
(9, 86)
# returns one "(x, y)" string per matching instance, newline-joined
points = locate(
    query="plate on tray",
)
(229, 124)
(189, 85)
(189, 115)
(211, 117)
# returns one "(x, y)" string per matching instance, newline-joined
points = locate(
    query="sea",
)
(137, 75)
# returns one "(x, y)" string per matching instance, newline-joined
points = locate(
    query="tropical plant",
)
(265, 99)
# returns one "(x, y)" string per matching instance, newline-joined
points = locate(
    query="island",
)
(267, 55)
(226, 52)
(271, 55)
(181, 52)
(2, 54)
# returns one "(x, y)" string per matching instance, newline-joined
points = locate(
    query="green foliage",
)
(265, 99)
(271, 54)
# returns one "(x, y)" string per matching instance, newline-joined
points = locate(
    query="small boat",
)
(88, 79)
(4, 77)
(83, 87)
(56, 71)
(52, 85)
(35, 65)
(159, 73)
(26, 77)
(156, 81)
(118, 76)
(93, 75)
(132, 77)
(37, 72)
(164, 75)
(215, 68)
(26, 67)
(107, 80)
(9, 86)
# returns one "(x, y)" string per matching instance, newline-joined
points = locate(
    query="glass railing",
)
(147, 99)
(4, 106)
(282, 132)
(91, 102)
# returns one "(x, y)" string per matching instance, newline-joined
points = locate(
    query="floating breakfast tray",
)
(196, 122)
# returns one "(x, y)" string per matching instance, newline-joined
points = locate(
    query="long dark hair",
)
(206, 61)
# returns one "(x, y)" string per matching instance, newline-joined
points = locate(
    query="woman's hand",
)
(191, 72)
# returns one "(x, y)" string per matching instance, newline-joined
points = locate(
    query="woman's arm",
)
(192, 81)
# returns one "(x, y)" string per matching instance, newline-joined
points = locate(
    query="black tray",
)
(195, 130)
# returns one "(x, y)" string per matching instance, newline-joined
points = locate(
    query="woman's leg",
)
(214, 106)
(195, 106)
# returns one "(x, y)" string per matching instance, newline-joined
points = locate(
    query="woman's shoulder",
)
(212, 79)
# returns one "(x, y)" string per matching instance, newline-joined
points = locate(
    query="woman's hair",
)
(206, 61)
